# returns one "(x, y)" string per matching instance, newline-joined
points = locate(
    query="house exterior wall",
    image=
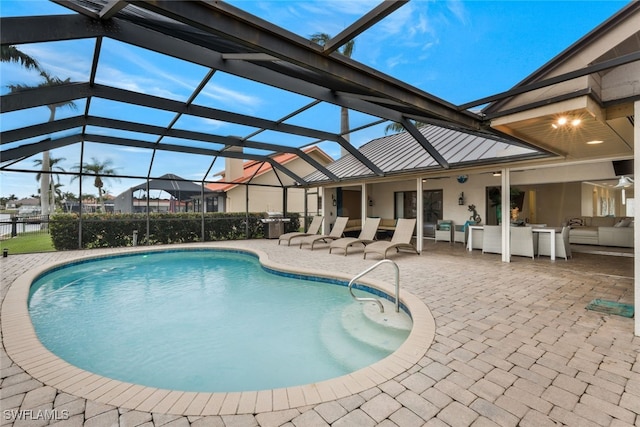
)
(559, 193)
(269, 199)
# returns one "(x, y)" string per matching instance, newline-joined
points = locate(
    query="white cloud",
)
(394, 61)
(459, 11)
(229, 96)
(211, 124)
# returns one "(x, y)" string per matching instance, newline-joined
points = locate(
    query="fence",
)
(14, 225)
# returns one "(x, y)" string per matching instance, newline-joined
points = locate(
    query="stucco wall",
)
(559, 193)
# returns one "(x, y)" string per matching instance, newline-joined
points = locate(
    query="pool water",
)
(204, 321)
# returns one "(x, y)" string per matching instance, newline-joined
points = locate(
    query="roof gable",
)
(253, 168)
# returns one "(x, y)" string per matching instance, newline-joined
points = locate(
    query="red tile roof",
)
(253, 166)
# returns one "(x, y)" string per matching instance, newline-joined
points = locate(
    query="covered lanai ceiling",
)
(219, 43)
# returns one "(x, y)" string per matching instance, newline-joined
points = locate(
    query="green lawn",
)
(27, 243)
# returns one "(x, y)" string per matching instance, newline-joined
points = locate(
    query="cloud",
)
(229, 96)
(66, 60)
(459, 11)
(156, 79)
(395, 61)
(211, 124)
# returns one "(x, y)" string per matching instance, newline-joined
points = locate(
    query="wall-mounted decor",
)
(462, 178)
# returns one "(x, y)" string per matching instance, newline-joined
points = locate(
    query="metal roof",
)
(178, 187)
(401, 152)
(220, 41)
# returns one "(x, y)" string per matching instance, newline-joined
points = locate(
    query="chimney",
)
(233, 168)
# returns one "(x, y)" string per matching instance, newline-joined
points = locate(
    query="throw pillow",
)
(575, 222)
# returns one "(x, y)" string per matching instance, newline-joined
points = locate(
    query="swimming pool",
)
(204, 321)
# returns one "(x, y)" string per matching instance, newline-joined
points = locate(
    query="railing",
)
(376, 300)
(13, 225)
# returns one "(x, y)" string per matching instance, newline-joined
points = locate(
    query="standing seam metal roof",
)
(401, 152)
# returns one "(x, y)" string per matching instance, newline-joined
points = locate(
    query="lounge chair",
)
(367, 235)
(401, 239)
(336, 233)
(314, 227)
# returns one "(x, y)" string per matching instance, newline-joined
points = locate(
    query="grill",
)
(274, 225)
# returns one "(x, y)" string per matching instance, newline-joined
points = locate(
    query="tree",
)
(47, 81)
(396, 127)
(346, 50)
(98, 170)
(11, 53)
(51, 192)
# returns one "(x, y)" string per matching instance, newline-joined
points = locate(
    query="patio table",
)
(551, 230)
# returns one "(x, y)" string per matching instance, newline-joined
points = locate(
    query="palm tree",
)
(396, 127)
(99, 170)
(52, 185)
(346, 50)
(11, 53)
(48, 81)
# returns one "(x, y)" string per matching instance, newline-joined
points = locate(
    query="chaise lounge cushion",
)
(353, 225)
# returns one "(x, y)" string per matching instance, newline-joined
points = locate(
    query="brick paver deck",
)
(514, 345)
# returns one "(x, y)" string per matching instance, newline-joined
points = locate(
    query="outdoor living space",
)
(514, 345)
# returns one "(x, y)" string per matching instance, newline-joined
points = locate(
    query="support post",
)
(419, 215)
(364, 203)
(506, 214)
(636, 207)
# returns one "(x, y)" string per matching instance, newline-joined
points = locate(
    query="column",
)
(506, 214)
(636, 207)
(364, 202)
(419, 216)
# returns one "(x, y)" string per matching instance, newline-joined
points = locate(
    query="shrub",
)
(102, 230)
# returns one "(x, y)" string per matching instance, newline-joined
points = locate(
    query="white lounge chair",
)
(314, 227)
(367, 235)
(336, 233)
(401, 239)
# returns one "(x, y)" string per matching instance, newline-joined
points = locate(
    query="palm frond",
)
(11, 53)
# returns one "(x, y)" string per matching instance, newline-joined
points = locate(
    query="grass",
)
(26, 243)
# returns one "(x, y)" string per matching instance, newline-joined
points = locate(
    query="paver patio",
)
(514, 345)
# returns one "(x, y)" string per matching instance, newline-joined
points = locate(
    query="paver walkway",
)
(514, 345)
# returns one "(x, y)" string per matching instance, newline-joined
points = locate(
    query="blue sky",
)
(457, 50)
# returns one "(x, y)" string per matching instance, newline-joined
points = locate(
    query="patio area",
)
(514, 345)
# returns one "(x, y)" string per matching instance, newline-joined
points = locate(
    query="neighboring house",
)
(26, 206)
(185, 196)
(265, 193)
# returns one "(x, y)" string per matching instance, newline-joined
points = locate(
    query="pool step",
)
(350, 353)
(385, 331)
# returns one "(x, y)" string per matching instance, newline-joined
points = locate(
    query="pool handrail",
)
(376, 300)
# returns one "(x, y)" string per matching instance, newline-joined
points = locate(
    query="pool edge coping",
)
(26, 350)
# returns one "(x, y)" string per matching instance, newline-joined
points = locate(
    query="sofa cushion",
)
(584, 231)
(623, 223)
(603, 221)
(444, 225)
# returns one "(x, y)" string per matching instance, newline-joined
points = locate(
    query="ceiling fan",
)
(624, 182)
